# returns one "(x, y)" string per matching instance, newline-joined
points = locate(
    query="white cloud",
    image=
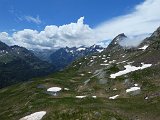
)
(20, 17)
(4, 37)
(73, 34)
(143, 20)
(36, 20)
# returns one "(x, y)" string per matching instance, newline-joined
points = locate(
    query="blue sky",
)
(59, 12)
(46, 24)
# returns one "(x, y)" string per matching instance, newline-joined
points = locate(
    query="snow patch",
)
(54, 89)
(113, 97)
(99, 50)
(80, 97)
(136, 85)
(80, 49)
(105, 61)
(129, 69)
(94, 96)
(91, 60)
(112, 61)
(82, 74)
(66, 89)
(115, 89)
(94, 57)
(146, 98)
(71, 51)
(132, 89)
(104, 64)
(144, 47)
(34, 116)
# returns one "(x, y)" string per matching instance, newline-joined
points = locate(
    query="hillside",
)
(116, 84)
(18, 64)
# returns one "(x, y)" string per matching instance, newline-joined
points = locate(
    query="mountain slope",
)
(18, 64)
(116, 84)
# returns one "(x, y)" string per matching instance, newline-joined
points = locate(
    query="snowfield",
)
(129, 69)
(54, 89)
(105, 61)
(99, 50)
(94, 96)
(104, 64)
(132, 89)
(136, 85)
(66, 89)
(34, 116)
(80, 49)
(80, 97)
(144, 47)
(113, 97)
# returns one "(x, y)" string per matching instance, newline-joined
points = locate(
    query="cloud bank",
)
(132, 41)
(142, 21)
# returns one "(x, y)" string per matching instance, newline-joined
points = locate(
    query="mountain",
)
(44, 54)
(119, 83)
(18, 64)
(65, 56)
(3, 46)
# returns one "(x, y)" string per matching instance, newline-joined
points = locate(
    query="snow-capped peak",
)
(81, 48)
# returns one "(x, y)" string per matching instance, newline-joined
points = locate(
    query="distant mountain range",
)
(65, 56)
(19, 64)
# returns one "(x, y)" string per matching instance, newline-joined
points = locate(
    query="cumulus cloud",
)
(36, 20)
(73, 34)
(138, 24)
(4, 37)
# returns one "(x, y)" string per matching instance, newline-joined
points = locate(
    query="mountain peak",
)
(120, 37)
(116, 40)
(156, 33)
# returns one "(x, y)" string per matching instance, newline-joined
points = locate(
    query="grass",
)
(22, 99)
